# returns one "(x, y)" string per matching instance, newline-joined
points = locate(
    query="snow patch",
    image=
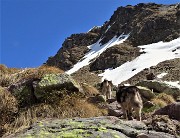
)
(154, 54)
(174, 84)
(160, 76)
(96, 50)
(109, 26)
(94, 28)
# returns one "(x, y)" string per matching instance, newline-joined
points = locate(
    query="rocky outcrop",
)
(171, 110)
(164, 123)
(114, 57)
(171, 67)
(73, 49)
(146, 24)
(49, 88)
(101, 127)
(160, 87)
(52, 84)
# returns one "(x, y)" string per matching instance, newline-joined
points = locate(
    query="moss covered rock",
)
(97, 127)
(52, 84)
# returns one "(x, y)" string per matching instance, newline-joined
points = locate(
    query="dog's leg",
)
(124, 113)
(138, 113)
(107, 94)
(130, 113)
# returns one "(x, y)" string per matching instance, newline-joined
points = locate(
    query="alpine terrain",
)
(139, 45)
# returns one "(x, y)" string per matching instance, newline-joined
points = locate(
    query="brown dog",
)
(106, 87)
(129, 99)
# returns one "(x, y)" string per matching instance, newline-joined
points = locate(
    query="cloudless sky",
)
(33, 30)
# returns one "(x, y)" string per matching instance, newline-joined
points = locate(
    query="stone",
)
(114, 109)
(141, 21)
(172, 110)
(160, 87)
(52, 84)
(102, 127)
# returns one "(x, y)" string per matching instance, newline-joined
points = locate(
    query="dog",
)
(106, 88)
(129, 99)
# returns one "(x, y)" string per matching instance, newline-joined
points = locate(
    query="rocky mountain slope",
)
(145, 24)
(48, 102)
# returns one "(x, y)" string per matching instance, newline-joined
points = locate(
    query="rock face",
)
(73, 49)
(115, 56)
(102, 127)
(146, 23)
(171, 110)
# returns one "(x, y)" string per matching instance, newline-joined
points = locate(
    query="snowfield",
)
(96, 50)
(152, 55)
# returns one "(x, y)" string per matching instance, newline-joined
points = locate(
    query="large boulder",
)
(172, 110)
(163, 123)
(114, 109)
(160, 87)
(54, 84)
(101, 127)
(49, 88)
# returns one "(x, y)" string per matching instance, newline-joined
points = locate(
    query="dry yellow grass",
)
(163, 99)
(4, 69)
(159, 102)
(8, 108)
(89, 90)
(9, 76)
(69, 107)
(168, 99)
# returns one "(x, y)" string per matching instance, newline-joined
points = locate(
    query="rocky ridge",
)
(146, 24)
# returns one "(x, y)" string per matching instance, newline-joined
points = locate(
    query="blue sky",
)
(33, 30)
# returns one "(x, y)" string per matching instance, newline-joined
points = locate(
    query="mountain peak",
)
(144, 24)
